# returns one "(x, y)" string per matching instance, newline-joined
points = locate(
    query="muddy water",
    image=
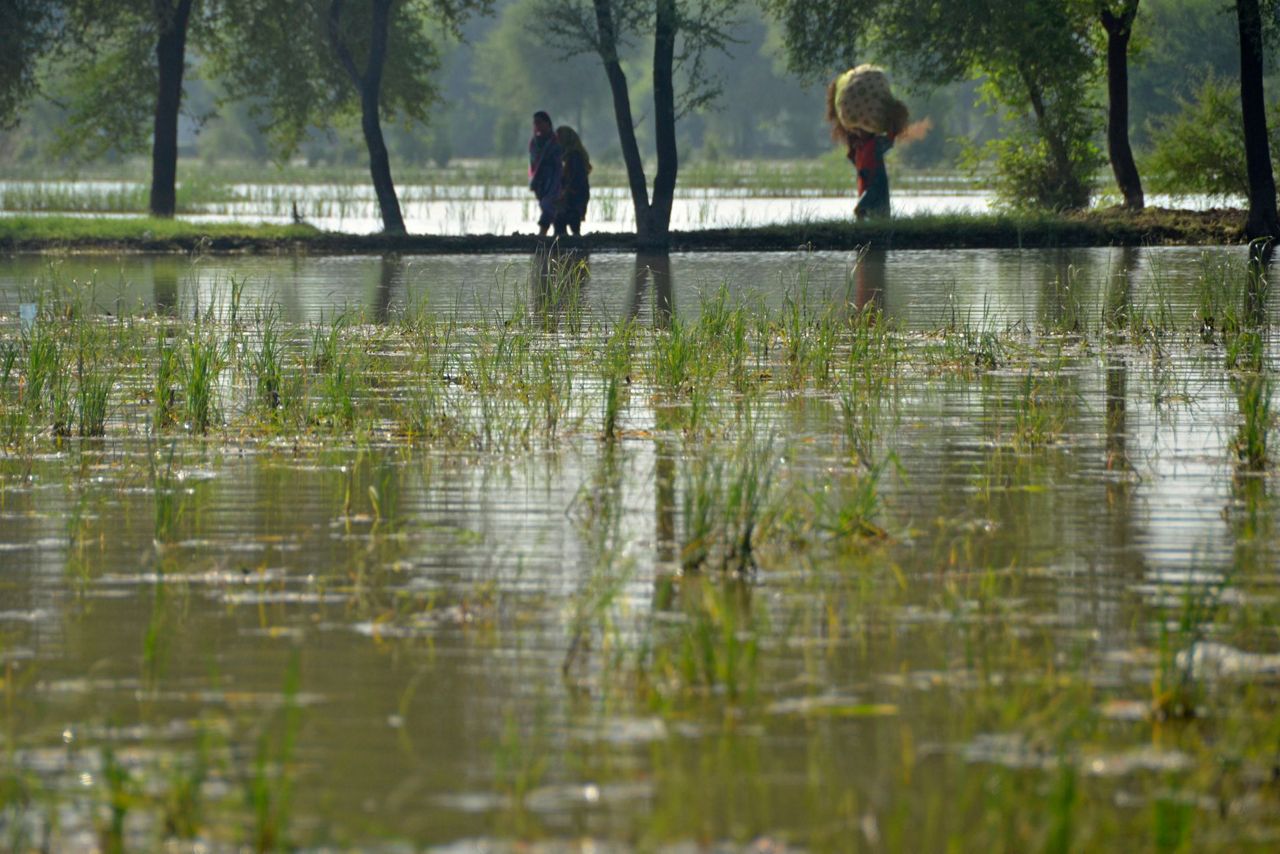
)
(937, 685)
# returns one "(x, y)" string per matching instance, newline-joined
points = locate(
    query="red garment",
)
(866, 160)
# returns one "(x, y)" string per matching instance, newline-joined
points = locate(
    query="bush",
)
(1200, 149)
(1027, 175)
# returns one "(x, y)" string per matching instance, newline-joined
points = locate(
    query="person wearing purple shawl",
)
(546, 169)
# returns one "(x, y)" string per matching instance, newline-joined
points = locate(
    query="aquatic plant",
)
(200, 365)
(1252, 438)
(725, 502)
(269, 787)
(120, 796)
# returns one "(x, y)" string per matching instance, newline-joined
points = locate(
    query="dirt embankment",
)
(1108, 227)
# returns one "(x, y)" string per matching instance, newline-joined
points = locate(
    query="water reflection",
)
(920, 290)
(164, 282)
(558, 280)
(871, 279)
(651, 278)
(390, 272)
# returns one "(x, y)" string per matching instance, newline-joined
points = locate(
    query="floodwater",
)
(487, 209)
(920, 290)
(382, 643)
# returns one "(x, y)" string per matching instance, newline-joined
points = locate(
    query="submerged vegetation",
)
(750, 540)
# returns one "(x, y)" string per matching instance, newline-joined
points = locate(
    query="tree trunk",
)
(608, 49)
(171, 60)
(664, 120)
(1262, 220)
(369, 85)
(1119, 29)
(1063, 194)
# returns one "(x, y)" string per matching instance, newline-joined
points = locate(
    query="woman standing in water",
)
(575, 183)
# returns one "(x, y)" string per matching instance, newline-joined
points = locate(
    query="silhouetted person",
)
(546, 167)
(575, 183)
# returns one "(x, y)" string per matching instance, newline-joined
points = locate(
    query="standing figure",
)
(866, 151)
(575, 181)
(545, 169)
(866, 119)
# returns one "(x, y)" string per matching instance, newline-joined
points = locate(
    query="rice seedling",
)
(713, 648)
(847, 509)
(725, 504)
(521, 760)
(269, 788)
(183, 797)
(674, 358)
(201, 365)
(1040, 413)
(1253, 395)
(94, 381)
(164, 394)
(267, 359)
(121, 796)
(164, 480)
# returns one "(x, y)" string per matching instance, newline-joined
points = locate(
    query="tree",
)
(683, 32)
(30, 28)
(308, 62)
(1036, 57)
(126, 55)
(1262, 221)
(1201, 148)
(522, 73)
(1117, 20)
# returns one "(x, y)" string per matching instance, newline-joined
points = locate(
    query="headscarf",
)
(571, 142)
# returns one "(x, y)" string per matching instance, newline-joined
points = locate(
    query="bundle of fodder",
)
(864, 101)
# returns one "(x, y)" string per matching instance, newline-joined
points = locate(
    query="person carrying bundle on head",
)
(866, 119)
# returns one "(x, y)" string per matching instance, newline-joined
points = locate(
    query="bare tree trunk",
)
(607, 45)
(1119, 30)
(1262, 220)
(369, 85)
(171, 60)
(664, 119)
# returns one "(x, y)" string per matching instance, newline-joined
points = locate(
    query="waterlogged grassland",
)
(774, 573)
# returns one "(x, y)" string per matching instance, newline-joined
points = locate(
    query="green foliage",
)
(1039, 62)
(519, 71)
(1201, 148)
(28, 27)
(1176, 42)
(110, 101)
(279, 56)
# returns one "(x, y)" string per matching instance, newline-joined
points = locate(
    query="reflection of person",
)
(545, 169)
(575, 183)
(869, 280)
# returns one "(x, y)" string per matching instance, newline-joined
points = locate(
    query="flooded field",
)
(899, 551)
(463, 209)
